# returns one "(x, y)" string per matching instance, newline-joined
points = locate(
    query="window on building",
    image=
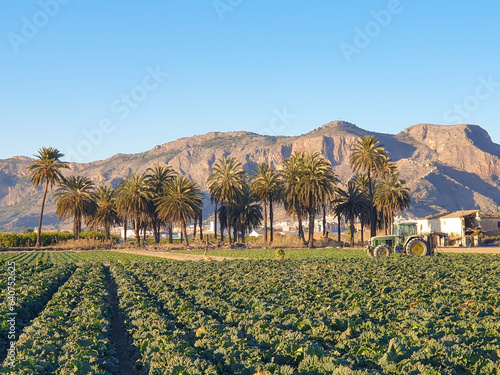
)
(499, 224)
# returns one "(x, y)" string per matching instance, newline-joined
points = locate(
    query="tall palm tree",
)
(265, 183)
(133, 199)
(317, 185)
(45, 170)
(369, 156)
(245, 215)
(106, 214)
(157, 177)
(391, 196)
(361, 180)
(351, 202)
(75, 198)
(181, 202)
(291, 177)
(226, 184)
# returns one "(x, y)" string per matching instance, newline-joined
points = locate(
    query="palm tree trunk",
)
(312, 212)
(125, 230)
(228, 223)
(311, 228)
(75, 229)
(137, 231)
(243, 235)
(362, 230)
(184, 230)
(373, 221)
(170, 234)
(215, 222)
(271, 218)
(265, 221)
(195, 225)
(38, 237)
(301, 228)
(324, 220)
(351, 226)
(78, 220)
(201, 226)
(107, 229)
(338, 227)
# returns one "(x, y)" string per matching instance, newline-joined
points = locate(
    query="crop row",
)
(159, 345)
(71, 335)
(24, 292)
(438, 315)
(75, 257)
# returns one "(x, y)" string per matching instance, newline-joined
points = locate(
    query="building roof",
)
(454, 215)
(490, 215)
(460, 214)
(435, 216)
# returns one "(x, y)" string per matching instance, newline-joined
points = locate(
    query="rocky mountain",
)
(446, 167)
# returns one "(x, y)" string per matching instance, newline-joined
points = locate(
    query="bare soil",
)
(172, 255)
(118, 332)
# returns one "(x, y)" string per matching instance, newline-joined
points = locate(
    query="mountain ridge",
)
(435, 160)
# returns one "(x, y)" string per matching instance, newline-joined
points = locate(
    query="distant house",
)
(460, 223)
(490, 223)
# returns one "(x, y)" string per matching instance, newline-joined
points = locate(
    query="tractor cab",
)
(405, 230)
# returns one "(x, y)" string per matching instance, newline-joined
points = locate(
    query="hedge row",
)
(47, 238)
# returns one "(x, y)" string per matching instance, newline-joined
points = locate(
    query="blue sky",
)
(95, 78)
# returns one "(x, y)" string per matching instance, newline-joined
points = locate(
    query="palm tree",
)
(245, 215)
(106, 214)
(181, 202)
(361, 181)
(391, 195)
(369, 155)
(45, 170)
(157, 177)
(291, 177)
(226, 184)
(351, 203)
(317, 185)
(267, 186)
(75, 198)
(133, 199)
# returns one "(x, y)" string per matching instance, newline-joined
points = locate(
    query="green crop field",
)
(75, 257)
(349, 315)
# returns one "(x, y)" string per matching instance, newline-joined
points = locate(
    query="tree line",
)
(305, 185)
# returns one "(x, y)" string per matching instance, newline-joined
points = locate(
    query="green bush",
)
(29, 239)
(280, 253)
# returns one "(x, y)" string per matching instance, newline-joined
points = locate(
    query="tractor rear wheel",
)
(382, 250)
(417, 247)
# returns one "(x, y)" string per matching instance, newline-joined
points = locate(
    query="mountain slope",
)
(446, 167)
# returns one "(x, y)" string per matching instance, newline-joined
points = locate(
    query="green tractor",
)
(405, 240)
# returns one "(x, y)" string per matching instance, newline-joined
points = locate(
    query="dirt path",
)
(172, 255)
(470, 250)
(118, 332)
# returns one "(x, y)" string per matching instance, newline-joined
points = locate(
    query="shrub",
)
(280, 253)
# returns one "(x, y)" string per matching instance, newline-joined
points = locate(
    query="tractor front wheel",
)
(382, 250)
(417, 247)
